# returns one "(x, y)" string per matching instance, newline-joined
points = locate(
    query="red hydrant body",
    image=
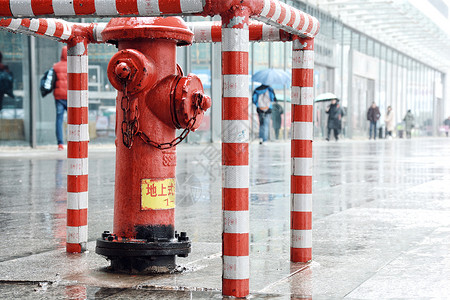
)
(154, 99)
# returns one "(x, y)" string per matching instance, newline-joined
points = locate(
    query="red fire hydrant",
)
(154, 99)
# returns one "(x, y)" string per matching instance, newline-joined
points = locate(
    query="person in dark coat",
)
(373, 115)
(262, 97)
(60, 94)
(3, 68)
(335, 114)
(277, 111)
(409, 123)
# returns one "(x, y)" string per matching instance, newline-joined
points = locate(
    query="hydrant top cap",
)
(173, 28)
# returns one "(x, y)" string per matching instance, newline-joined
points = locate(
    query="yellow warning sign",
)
(157, 194)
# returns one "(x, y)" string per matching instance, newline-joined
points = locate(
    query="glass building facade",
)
(348, 63)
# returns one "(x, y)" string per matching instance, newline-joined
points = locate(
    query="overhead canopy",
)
(397, 23)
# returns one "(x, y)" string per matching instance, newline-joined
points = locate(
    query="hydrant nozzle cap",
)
(123, 70)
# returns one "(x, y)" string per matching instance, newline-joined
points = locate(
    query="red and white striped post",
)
(235, 139)
(301, 149)
(77, 144)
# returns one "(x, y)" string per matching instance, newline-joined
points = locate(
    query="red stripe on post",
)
(301, 254)
(235, 287)
(73, 248)
(235, 244)
(235, 154)
(59, 30)
(301, 220)
(302, 113)
(77, 115)
(127, 7)
(235, 199)
(77, 217)
(5, 9)
(293, 17)
(42, 7)
(272, 9)
(4, 22)
(77, 149)
(170, 6)
(234, 108)
(216, 33)
(78, 81)
(310, 25)
(84, 7)
(25, 23)
(301, 148)
(282, 14)
(77, 183)
(234, 62)
(301, 184)
(302, 77)
(42, 26)
(255, 32)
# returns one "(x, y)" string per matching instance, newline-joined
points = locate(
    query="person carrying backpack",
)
(6, 82)
(60, 94)
(263, 96)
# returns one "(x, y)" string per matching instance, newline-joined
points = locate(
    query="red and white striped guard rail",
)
(235, 170)
(77, 145)
(50, 28)
(301, 149)
(272, 12)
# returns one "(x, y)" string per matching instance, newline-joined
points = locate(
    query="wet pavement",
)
(381, 224)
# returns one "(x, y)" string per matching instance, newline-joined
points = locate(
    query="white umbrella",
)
(326, 97)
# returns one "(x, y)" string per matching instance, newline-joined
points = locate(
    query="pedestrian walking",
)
(335, 114)
(373, 115)
(277, 111)
(60, 94)
(447, 125)
(263, 96)
(409, 123)
(6, 81)
(389, 122)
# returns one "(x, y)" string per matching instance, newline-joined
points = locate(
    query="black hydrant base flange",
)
(134, 256)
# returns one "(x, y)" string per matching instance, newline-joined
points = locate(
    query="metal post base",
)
(137, 256)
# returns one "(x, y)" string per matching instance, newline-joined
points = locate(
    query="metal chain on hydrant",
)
(130, 126)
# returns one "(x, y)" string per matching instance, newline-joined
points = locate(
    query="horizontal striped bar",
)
(303, 59)
(302, 113)
(301, 220)
(235, 199)
(302, 77)
(302, 130)
(235, 177)
(77, 183)
(76, 234)
(301, 148)
(236, 288)
(78, 133)
(77, 200)
(235, 244)
(235, 131)
(301, 254)
(301, 238)
(77, 64)
(236, 221)
(301, 184)
(77, 166)
(235, 154)
(236, 108)
(236, 267)
(301, 166)
(77, 149)
(77, 217)
(235, 63)
(235, 39)
(235, 86)
(301, 202)
(77, 115)
(302, 95)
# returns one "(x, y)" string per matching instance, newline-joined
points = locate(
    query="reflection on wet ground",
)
(381, 215)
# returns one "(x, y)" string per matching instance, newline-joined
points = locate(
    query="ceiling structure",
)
(397, 23)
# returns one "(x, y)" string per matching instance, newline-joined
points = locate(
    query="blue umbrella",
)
(272, 77)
